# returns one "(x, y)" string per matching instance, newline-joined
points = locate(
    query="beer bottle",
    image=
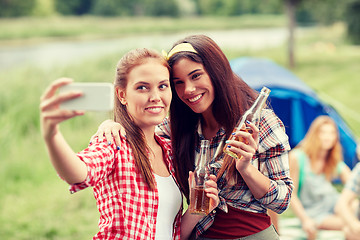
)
(199, 202)
(251, 115)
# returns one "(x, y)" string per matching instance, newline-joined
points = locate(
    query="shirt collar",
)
(219, 133)
(218, 140)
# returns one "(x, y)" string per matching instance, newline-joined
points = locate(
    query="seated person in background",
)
(314, 163)
(348, 205)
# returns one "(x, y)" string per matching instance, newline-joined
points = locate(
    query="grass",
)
(330, 67)
(37, 205)
(35, 202)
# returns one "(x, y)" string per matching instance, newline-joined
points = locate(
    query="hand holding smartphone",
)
(95, 96)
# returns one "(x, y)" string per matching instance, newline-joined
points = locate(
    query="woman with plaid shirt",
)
(209, 101)
(136, 192)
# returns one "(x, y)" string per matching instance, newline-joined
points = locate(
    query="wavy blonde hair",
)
(311, 145)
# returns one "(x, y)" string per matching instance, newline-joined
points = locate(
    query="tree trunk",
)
(290, 10)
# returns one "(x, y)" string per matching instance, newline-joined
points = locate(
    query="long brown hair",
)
(232, 97)
(134, 134)
(311, 145)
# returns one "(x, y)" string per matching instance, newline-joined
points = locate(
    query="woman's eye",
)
(178, 82)
(141, 88)
(163, 86)
(196, 75)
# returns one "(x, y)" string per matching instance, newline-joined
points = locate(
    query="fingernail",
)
(227, 141)
(247, 122)
(118, 147)
(109, 142)
(233, 133)
(229, 146)
(90, 142)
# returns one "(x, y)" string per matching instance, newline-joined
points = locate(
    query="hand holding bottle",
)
(211, 190)
(245, 138)
(244, 144)
(203, 187)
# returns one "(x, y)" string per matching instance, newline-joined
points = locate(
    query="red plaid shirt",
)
(128, 208)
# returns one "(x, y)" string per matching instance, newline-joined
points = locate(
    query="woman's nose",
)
(154, 96)
(189, 88)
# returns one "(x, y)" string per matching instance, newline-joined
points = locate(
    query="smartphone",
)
(96, 96)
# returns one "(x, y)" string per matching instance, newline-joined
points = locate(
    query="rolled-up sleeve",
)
(99, 159)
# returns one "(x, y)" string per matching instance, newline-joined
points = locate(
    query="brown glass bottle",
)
(251, 115)
(199, 202)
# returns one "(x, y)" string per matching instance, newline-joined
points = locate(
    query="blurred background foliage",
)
(307, 11)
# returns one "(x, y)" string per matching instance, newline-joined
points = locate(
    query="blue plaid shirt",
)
(271, 159)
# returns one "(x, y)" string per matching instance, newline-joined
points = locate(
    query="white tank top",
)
(169, 204)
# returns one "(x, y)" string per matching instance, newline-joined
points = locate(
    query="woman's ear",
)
(121, 95)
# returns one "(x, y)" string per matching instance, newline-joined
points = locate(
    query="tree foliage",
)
(117, 8)
(238, 7)
(16, 8)
(319, 11)
(353, 21)
(161, 8)
(73, 7)
(44, 8)
(135, 8)
(307, 11)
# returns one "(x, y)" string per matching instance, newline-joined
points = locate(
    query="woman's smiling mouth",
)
(155, 109)
(196, 98)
